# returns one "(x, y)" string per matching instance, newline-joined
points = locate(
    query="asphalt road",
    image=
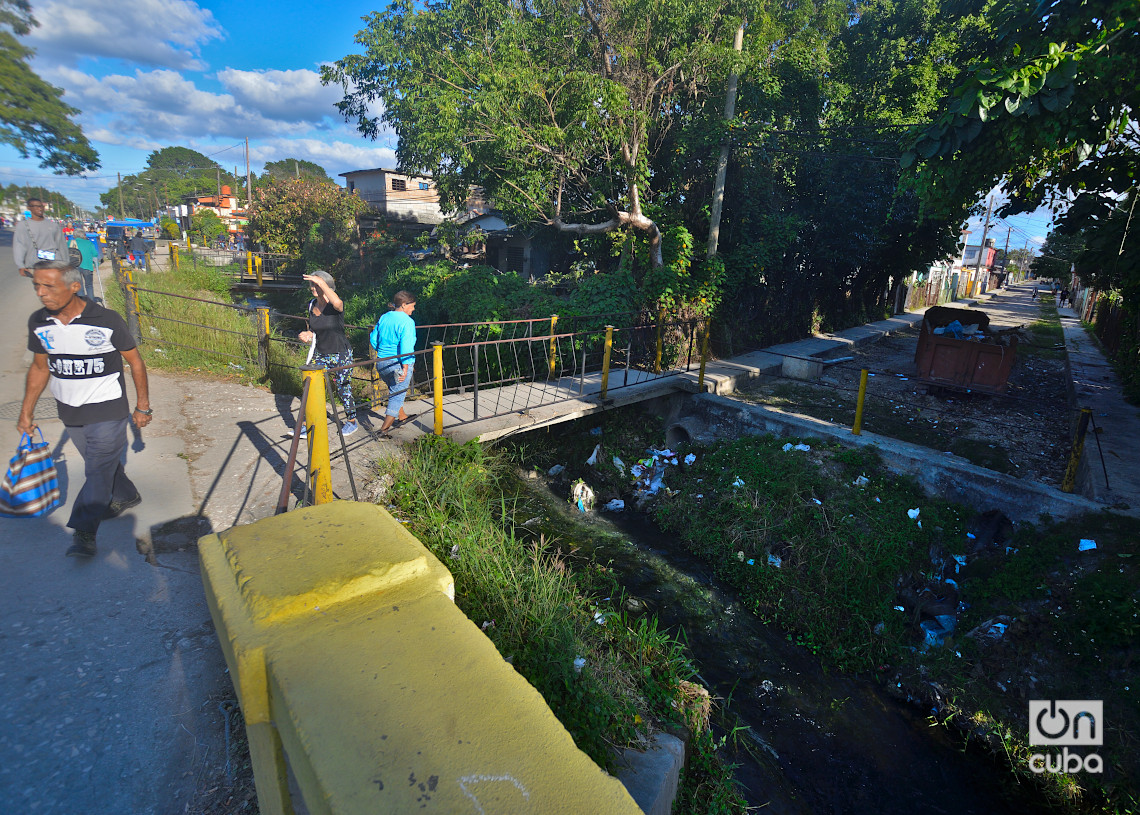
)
(111, 675)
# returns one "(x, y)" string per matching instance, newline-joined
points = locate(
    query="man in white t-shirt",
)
(36, 239)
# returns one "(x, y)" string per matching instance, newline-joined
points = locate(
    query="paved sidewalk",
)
(1109, 468)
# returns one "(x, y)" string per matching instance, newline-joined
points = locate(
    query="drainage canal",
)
(811, 742)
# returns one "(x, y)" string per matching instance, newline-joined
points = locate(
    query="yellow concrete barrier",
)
(353, 664)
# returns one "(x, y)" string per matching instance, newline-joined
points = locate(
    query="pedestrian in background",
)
(78, 349)
(394, 339)
(36, 238)
(138, 248)
(326, 323)
(88, 259)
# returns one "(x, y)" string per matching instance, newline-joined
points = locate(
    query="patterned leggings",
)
(342, 380)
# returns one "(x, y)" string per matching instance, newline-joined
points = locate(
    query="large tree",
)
(1050, 113)
(172, 175)
(303, 217)
(33, 116)
(556, 109)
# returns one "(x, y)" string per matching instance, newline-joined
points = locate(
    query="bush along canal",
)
(871, 648)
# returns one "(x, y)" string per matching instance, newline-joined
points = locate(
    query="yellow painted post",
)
(553, 344)
(257, 266)
(606, 360)
(249, 264)
(373, 376)
(174, 252)
(320, 476)
(657, 360)
(1069, 482)
(437, 385)
(857, 428)
(263, 340)
(704, 355)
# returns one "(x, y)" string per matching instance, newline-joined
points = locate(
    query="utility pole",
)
(296, 169)
(218, 198)
(982, 248)
(722, 162)
(120, 177)
(248, 181)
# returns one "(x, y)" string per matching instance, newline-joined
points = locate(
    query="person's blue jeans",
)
(102, 446)
(88, 283)
(397, 391)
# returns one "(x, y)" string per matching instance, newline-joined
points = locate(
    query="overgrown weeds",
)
(610, 680)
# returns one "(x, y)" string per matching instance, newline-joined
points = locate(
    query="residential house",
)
(226, 206)
(397, 196)
(974, 277)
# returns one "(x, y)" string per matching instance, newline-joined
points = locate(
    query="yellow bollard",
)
(704, 356)
(1069, 482)
(553, 343)
(249, 264)
(320, 475)
(174, 253)
(437, 384)
(606, 361)
(857, 428)
(257, 266)
(657, 360)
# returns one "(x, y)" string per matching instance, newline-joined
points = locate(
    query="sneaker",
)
(117, 508)
(83, 545)
(348, 428)
(304, 432)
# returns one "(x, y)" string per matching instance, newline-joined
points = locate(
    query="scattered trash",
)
(775, 560)
(819, 502)
(555, 470)
(913, 513)
(235, 366)
(593, 459)
(454, 552)
(616, 505)
(738, 482)
(879, 629)
(599, 617)
(1086, 545)
(700, 495)
(620, 466)
(579, 664)
(991, 630)
(740, 556)
(582, 496)
(636, 470)
(691, 458)
(878, 500)
(920, 524)
(595, 431)
(861, 481)
(751, 562)
(806, 448)
(900, 608)
(487, 624)
(673, 461)
(959, 562)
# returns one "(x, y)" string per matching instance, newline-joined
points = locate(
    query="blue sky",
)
(146, 74)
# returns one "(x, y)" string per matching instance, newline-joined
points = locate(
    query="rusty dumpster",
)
(969, 360)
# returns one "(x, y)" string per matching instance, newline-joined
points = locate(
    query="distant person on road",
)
(36, 238)
(88, 260)
(79, 348)
(138, 249)
(326, 324)
(394, 337)
(1033, 296)
(1064, 297)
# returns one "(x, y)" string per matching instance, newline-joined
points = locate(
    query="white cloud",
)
(335, 156)
(167, 33)
(284, 95)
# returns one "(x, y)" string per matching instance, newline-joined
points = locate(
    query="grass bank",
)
(610, 680)
(822, 543)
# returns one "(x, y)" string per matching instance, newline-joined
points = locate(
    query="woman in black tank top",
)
(326, 323)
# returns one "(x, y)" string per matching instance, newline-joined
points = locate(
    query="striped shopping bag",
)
(31, 485)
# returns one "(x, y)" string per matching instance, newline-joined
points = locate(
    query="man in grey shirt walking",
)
(36, 239)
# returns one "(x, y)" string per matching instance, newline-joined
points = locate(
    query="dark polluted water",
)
(815, 742)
